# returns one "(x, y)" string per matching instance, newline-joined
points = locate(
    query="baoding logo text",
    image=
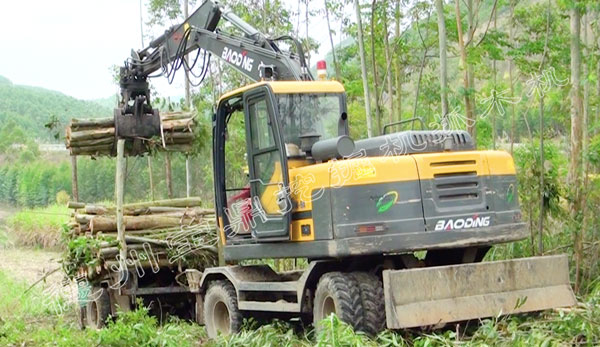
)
(462, 223)
(238, 59)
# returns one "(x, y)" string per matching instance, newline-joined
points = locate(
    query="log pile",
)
(175, 232)
(96, 137)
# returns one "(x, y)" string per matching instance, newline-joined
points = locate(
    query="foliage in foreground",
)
(27, 319)
(577, 326)
(31, 319)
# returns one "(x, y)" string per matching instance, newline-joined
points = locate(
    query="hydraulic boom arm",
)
(253, 54)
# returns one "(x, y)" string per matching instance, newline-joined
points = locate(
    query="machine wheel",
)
(98, 308)
(372, 298)
(338, 293)
(221, 313)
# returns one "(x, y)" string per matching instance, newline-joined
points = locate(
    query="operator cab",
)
(260, 131)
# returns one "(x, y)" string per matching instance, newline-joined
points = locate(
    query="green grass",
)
(38, 227)
(26, 319)
(29, 319)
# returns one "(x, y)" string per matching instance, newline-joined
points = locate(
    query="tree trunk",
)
(338, 75)
(574, 175)
(471, 74)
(575, 99)
(418, 91)
(443, 61)
(374, 65)
(511, 38)
(120, 194)
(466, 68)
(397, 68)
(142, 24)
(597, 117)
(188, 177)
(306, 17)
(168, 174)
(585, 130)
(388, 63)
(542, 189)
(74, 182)
(543, 171)
(363, 68)
(495, 71)
(423, 60)
(597, 41)
(586, 96)
(297, 35)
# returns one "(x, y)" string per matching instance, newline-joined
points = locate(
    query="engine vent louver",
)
(461, 185)
(458, 139)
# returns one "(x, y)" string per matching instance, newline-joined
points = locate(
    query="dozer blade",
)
(443, 294)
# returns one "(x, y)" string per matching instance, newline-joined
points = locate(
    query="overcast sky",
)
(70, 45)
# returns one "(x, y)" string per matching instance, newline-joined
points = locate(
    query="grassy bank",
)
(38, 227)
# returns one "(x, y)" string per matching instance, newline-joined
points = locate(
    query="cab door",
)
(267, 163)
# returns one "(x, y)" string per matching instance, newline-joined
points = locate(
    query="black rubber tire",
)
(373, 302)
(98, 308)
(221, 313)
(338, 293)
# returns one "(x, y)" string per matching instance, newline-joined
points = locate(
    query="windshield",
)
(303, 114)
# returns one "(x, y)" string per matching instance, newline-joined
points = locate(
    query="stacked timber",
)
(176, 232)
(96, 137)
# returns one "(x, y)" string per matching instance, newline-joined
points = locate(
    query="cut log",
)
(94, 142)
(98, 209)
(179, 124)
(113, 251)
(83, 218)
(174, 211)
(107, 224)
(175, 115)
(91, 134)
(162, 262)
(75, 205)
(91, 150)
(78, 124)
(181, 202)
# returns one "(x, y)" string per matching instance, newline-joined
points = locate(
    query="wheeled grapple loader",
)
(356, 210)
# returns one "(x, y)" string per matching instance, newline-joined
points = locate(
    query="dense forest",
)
(519, 76)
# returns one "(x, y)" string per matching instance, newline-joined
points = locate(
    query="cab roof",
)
(289, 87)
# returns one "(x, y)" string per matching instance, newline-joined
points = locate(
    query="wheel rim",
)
(328, 306)
(221, 318)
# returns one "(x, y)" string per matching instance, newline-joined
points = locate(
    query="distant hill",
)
(110, 102)
(33, 107)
